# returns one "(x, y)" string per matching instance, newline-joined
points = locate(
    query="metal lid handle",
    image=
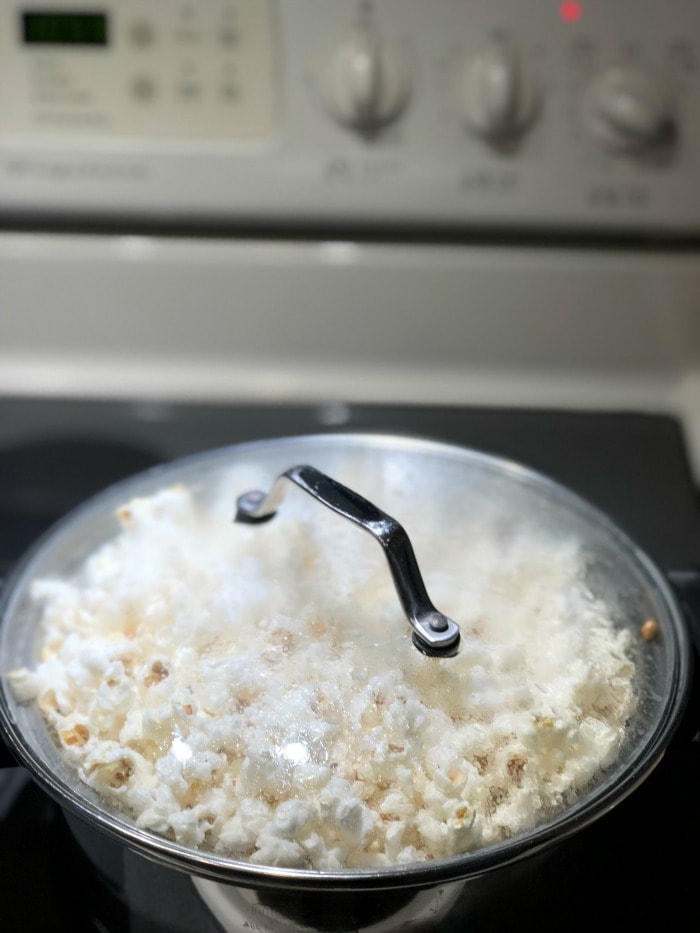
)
(434, 634)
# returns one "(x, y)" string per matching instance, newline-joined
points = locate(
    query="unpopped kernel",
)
(253, 690)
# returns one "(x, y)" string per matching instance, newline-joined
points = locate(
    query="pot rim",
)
(558, 828)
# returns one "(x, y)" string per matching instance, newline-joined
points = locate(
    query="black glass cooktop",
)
(632, 870)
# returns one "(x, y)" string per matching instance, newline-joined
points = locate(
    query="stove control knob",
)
(368, 82)
(629, 110)
(499, 92)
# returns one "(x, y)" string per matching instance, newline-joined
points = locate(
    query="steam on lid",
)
(254, 690)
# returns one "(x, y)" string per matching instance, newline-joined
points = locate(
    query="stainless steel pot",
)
(450, 478)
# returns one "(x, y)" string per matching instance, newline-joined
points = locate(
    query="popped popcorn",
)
(254, 691)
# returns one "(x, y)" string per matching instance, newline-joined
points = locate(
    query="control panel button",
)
(142, 33)
(500, 92)
(629, 110)
(143, 88)
(368, 82)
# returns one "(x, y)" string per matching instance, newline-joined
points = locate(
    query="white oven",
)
(472, 219)
(321, 200)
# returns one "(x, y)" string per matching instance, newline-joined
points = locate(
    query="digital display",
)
(44, 27)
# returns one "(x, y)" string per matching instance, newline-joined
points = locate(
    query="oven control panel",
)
(129, 70)
(580, 115)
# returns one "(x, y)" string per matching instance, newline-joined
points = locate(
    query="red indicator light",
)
(570, 11)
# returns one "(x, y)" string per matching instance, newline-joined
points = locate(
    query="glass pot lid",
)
(246, 702)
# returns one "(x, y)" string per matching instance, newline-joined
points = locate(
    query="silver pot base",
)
(336, 912)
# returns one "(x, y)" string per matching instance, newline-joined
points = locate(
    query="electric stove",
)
(630, 870)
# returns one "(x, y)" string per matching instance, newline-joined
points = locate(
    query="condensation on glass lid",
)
(221, 694)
